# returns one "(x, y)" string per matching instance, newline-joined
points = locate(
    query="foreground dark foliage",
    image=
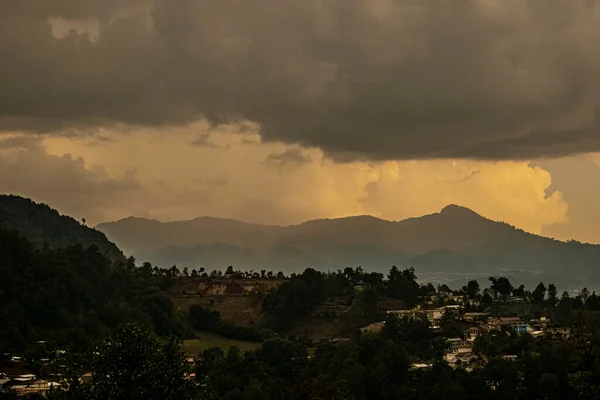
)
(71, 296)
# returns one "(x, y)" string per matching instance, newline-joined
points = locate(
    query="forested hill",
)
(41, 224)
(456, 239)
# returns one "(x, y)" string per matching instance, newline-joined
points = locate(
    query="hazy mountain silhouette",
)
(43, 225)
(455, 239)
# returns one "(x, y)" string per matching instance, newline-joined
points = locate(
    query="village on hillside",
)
(43, 370)
(460, 350)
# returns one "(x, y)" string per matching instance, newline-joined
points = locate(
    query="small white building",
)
(472, 333)
(420, 366)
(435, 314)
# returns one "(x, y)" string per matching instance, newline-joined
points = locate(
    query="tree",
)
(564, 311)
(403, 285)
(552, 299)
(486, 298)
(472, 288)
(134, 364)
(520, 291)
(539, 293)
(504, 286)
(349, 274)
(585, 294)
(444, 289)
(130, 263)
(500, 285)
(494, 286)
(370, 308)
(373, 279)
(229, 271)
(430, 289)
(291, 301)
(146, 269)
(593, 302)
(186, 271)
(202, 318)
(194, 273)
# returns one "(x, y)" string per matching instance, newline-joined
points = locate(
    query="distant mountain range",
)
(43, 225)
(455, 239)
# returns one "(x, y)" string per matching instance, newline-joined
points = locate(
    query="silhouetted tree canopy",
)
(75, 294)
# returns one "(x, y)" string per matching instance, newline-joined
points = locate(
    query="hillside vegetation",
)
(41, 225)
(72, 295)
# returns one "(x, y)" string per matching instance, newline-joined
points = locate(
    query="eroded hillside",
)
(238, 300)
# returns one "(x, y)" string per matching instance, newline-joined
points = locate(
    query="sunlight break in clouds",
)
(235, 176)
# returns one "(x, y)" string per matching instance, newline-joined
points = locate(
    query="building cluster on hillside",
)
(460, 350)
(16, 372)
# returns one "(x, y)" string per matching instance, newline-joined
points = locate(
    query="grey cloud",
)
(63, 181)
(18, 142)
(289, 156)
(102, 10)
(203, 140)
(361, 79)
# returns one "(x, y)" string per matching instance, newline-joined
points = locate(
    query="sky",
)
(282, 111)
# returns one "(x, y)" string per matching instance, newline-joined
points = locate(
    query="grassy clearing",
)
(206, 340)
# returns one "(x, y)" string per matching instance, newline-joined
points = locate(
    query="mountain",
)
(456, 239)
(41, 225)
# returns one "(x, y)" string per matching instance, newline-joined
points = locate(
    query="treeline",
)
(362, 291)
(542, 299)
(297, 297)
(229, 273)
(72, 295)
(133, 364)
(43, 225)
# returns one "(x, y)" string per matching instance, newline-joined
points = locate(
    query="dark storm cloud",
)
(361, 79)
(63, 181)
(18, 142)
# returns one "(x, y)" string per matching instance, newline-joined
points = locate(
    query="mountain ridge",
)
(449, 210)
(455, 238)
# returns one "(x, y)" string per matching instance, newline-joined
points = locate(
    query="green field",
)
(206, 340)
